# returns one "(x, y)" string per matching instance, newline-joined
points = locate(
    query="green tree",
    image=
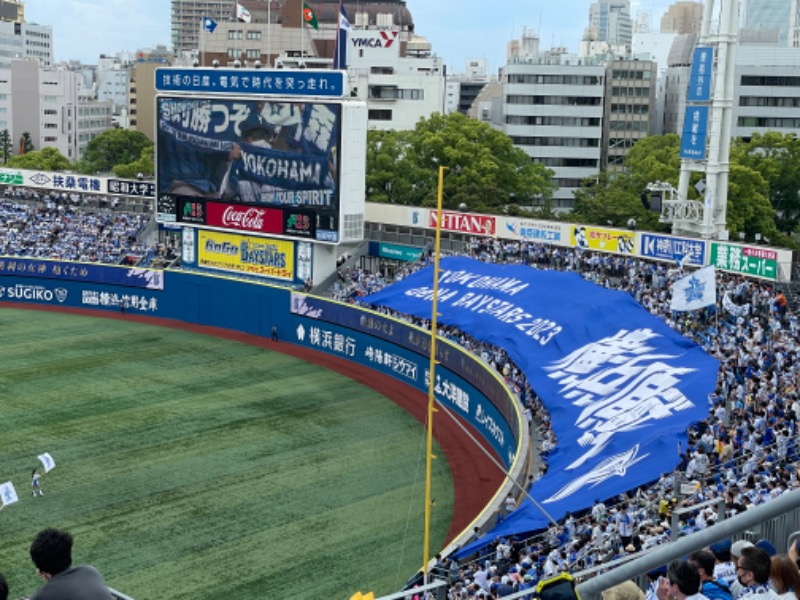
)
(144, 165)
(776, 157)
(46, 159)
(749, 209)
(612, 199)
(111, 148)
(5, 145)
(26, 144)
(486, 172)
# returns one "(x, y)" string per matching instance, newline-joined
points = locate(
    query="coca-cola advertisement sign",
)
(242, 217)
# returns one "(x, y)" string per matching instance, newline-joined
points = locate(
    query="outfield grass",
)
(195, 467)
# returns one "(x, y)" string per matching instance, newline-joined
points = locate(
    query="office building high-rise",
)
(768, 19)
(611, 20)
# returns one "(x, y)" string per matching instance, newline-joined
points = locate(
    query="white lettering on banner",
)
(622, 385)
(450, 391)
(336, 342)
(616, 465)
(249, 218)
(506, 285)
(33, 292)
(398, 364)
(132, 302)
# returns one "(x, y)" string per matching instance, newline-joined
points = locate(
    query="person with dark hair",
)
(682, 582)
(3, 588)
(725, 569)
(753, 571)
(713, 589)
(785, 577)
(51, 552)
(36, 484)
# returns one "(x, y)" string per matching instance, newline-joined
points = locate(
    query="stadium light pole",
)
(432, 383)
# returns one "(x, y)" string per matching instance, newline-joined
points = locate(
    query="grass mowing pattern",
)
(194, 467)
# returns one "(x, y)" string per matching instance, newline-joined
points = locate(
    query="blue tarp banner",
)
(620, 385)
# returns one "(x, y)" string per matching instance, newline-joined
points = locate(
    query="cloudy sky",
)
(458, 29)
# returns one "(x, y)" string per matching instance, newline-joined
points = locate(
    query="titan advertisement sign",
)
(464, 222)
(246, 254)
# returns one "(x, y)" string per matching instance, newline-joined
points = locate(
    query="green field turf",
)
(195, 467)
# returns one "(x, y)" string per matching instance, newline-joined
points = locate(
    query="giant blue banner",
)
(620, 385)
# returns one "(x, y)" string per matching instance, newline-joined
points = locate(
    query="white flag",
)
(695, 291)
(47, 461)
(737, 310)
(8, 495)
(242, 14)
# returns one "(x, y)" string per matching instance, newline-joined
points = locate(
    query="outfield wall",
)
(464, 385)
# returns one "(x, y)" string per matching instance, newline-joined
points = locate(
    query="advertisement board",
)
(251, 152)
(246, 254)
(606, 240)
(748, 260)
(699, 89)
(533, 230)
(152, 279)
(326, 83)
(464, 222)
(686, 251)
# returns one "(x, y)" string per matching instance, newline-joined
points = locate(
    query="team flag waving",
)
(340, 56)
(47, 462)
(8, 495)
(309, 17)
(696, 290)
(242, 14)
(209, 24)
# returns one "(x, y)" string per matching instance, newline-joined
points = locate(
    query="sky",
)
(457, 29)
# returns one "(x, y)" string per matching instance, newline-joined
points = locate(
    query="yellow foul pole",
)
(432, 383)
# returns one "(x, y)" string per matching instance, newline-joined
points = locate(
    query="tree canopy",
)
(113, 148)
(47, 159)
(486, 172)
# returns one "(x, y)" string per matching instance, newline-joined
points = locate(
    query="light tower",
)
(706, 137)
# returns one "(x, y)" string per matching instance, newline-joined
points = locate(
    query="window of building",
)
(379, 115)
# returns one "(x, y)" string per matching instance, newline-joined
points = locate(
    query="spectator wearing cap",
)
(785, 577)
(711, 588)
(725, 568)
(681, 583)
(753, 571)
(654, 576)
(767, 547)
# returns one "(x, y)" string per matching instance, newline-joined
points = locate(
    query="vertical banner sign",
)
(756, 262)
(700, 75)
(695, 133)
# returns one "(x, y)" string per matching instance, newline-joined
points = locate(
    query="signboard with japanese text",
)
(617, 241)
(747, 260)
(695, 133)
(699, 89)
(246, 254)
(528, 230)
(330, 84)
(62, 270)
(75, 182)
(685, 251)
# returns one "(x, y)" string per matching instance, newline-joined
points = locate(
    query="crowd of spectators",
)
(65, 227)
(744, 453)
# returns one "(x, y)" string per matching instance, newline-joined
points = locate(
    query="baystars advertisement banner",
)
(620, 385)
(246, 254)
(254, 152)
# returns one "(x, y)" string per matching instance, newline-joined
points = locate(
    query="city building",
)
(629, 109)
(94, 117)
(462, 89)
(43, 104)
(12, 11)
(187, 18)
(683, 17)
(766, 21)
(676, 82)
(610, 22)
(25, 40)
(141, 91)
(553, 110)
(399, 90)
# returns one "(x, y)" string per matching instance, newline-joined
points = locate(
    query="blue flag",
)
(209, 24)
(620, 385)
(340, 59)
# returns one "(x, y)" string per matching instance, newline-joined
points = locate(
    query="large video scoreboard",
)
(256, 151)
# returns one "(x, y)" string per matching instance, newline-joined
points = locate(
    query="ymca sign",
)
(382, 41)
